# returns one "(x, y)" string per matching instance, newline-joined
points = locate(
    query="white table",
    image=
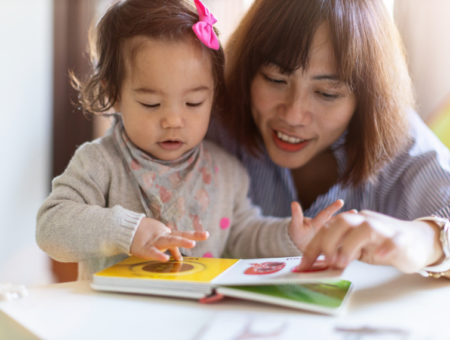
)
(411, 306)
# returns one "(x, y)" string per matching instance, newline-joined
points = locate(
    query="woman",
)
(318, 108)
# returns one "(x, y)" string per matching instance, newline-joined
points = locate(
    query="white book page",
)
(272, 271)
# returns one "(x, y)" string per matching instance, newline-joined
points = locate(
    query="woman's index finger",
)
(312, 252)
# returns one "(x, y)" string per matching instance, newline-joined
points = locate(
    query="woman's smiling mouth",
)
(288, 143)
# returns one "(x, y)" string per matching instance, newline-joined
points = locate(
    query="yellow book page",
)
(192, 269)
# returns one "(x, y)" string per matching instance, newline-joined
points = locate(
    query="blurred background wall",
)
(425, 29)
(40, 40)
(26, 40)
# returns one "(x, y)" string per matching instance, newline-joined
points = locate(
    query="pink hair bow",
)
(204, 28)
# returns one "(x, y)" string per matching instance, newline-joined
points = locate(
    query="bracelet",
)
(443, 268)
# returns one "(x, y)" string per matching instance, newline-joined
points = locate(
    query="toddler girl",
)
(151, 184)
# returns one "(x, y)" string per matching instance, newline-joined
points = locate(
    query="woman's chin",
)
(289, 160)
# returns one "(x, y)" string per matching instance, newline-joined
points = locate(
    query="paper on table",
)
(241, 325)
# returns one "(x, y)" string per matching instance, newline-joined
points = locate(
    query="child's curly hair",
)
(168, 20)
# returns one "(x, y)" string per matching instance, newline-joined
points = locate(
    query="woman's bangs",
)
(286, 41)
(288, 54)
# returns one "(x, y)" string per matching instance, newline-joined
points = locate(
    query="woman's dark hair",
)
(166, 20)
(370, 59)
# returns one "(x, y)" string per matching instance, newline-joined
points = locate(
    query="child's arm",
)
(75, 223)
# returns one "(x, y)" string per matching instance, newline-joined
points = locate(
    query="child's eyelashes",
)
(154, 106)
(150, 106)
(194, 104)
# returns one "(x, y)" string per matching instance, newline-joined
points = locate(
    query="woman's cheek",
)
(264, 100)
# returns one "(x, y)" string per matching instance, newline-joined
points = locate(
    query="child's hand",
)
(302, 229)
(153, 238)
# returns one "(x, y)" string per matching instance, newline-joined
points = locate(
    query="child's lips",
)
(171, 145)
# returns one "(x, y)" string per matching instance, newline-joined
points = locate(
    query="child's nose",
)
(172, 120)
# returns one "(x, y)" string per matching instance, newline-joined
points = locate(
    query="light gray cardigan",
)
(93, 212)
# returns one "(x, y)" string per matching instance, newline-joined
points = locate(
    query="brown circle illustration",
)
(170, 269)
(167, 267)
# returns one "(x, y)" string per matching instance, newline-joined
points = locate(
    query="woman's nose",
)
(173, 119)
(296, 110)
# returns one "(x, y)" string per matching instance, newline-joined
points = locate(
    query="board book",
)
(271, 280)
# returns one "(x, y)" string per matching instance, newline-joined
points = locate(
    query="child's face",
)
(166, 97)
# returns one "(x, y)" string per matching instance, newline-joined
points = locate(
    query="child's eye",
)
(275, 81)
(150, 106)
(194, 104)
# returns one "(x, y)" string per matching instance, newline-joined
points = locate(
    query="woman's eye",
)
(328, 95)
(150, 106)
(275, 81)
(194, 104)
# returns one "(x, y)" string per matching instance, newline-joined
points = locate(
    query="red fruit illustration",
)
(264, 268)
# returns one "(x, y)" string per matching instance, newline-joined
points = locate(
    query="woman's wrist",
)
(437, 254)
(440, 264)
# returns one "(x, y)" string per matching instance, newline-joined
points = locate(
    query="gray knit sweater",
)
(93, 212)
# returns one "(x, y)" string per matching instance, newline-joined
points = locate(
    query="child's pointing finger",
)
(192, 235)
(170, 241)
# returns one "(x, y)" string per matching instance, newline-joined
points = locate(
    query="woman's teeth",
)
(289, 139)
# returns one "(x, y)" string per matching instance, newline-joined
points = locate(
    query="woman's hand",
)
(376, 239)
(302, 229)
(153, 238)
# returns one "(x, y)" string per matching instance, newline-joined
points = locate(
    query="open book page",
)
(321, 297)
(192, 269)
(272, 271)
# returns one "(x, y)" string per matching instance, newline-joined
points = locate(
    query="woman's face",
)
(301, 114)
